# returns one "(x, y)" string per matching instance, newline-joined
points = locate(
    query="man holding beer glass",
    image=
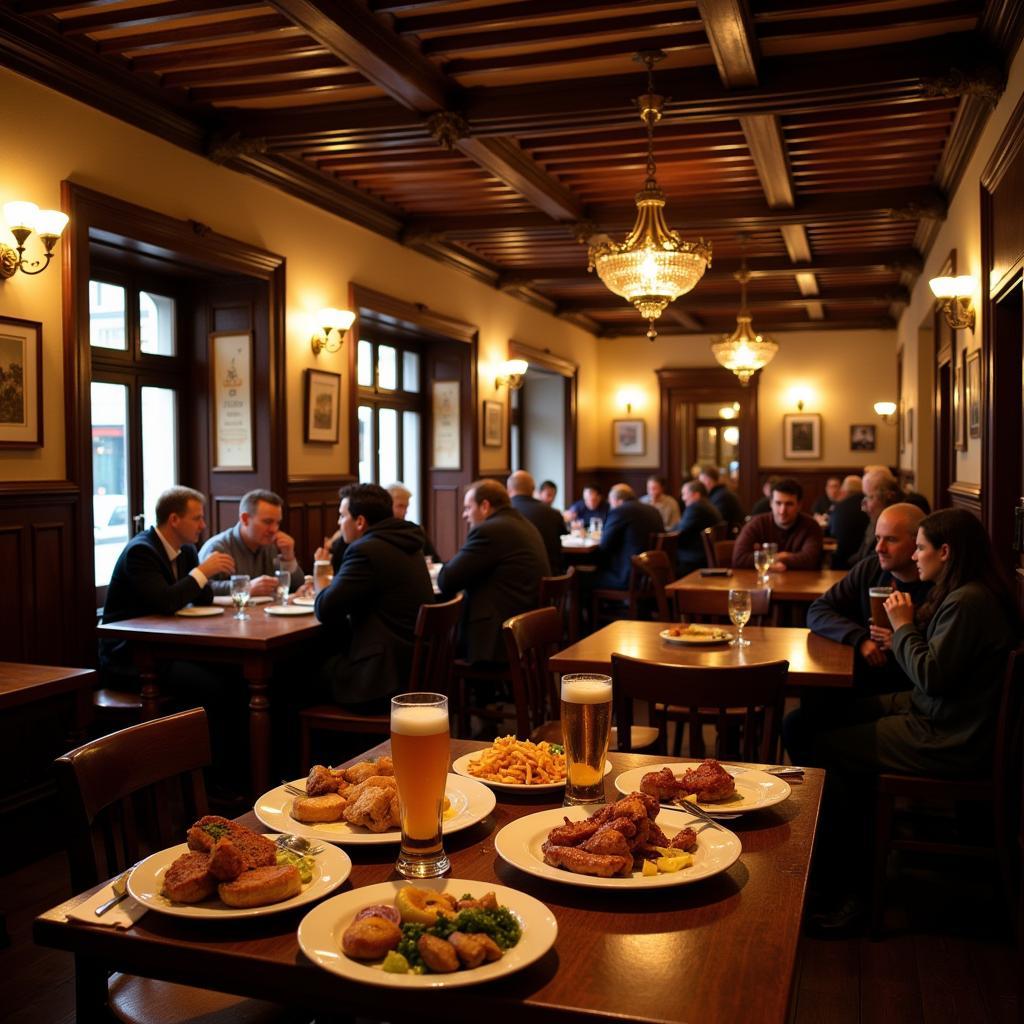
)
(586, 727)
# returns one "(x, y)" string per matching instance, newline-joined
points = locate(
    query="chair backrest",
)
(132, 792)
(707, 538)
(652, 572)
(757, 690)
(723, 552)
(436, 626)
(712, 605)
(667, 542)
(530, 639)
(561, 592)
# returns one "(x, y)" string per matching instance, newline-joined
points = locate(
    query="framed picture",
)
(801, 435)
(446, 451)
(231, 407)
(862, 437)
(323, 397)
(974, 394)
(21, 383)
(492, 424)
(959, 403)
(629, 437)
(910, 426)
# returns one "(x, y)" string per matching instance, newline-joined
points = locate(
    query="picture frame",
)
(231, 404)
(801, 435)
(910, 426)
(322, 405)
(974, 394)
(862, 437)
(445, 425)
(492, 424)
(959, 402)
(902, 425)
(21, 383)
(629, 437)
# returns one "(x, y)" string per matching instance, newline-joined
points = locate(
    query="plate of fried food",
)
(513, 764)
(434, 933)
(359, 804)
(631, 844)
(227, 870)
(695, 633)
(714, 787)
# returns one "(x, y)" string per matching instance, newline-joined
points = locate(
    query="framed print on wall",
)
(21, 383)
(323, 397)
(801, 438)
(629, 437)
(974, 394)
(446, 450)
(231, 391)
(862, 437)
(492, 424)
(959, 403)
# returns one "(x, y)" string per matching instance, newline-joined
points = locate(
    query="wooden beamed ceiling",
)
(497, 136)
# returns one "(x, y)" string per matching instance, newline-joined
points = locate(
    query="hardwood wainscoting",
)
(966, 496)
(607, 476)
(811, 478)
(311, 512)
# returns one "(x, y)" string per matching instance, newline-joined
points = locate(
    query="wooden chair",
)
(998, 791)
(667, 542)
(708, 537)
(723, 552)
(653, 571)
(759, 690)
(431, 668)
(562, 593)
(713, 605)
(125, 795)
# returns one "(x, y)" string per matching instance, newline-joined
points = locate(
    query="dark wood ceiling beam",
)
(952, 16)
(730, 32)
(685, 320)
(337, 81)
(241, 28)
(293, 68)
(496, 15)
(36, 7)
(768, 151)
(231, 53)
(133, 17)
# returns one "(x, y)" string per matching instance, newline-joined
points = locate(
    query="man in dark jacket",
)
(627, 531)
(549, 522)
(847, 523)
(372, 603)
(721, 497)
(698, 515)
(499, 567)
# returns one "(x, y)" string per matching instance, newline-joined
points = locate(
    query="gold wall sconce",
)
(334, 325)
(886, 411)
(24, 218)
(955, 295)
(511, 373)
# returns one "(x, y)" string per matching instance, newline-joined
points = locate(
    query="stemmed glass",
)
(739, 612)
(762, 563)
(240, 593)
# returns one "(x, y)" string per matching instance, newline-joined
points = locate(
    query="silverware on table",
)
(297, 844)
(120, 887)
(785, 769)
(697, 812)
(294, 790)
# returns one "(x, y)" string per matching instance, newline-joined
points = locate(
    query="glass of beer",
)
(878, 595)
(586, 727)
(420, 749)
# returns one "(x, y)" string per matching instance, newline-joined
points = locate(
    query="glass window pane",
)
(159, 446)
(411, 371)
(106, 316)
(387, 420)
(386, 368)
(364, 364)
(410, 473)
(707, 445)
(156, 324)
(110, 518)
(366, 460)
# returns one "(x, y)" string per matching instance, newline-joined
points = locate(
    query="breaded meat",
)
(262, 886)
(188, 879)
(255, 849)
(226, 860)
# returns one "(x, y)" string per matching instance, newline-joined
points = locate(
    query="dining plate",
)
(307, 602)
(199, 611)
(471, 802)
(288, 609)
(721, 636)
(321, 929)
(330, 868)
(225, 601)
(755, 790)
(461, 767)
(519, 844)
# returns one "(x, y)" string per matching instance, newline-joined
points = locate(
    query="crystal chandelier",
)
(743, 351)
(653, 265)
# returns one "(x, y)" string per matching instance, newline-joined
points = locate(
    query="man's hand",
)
(871, 653)
(323, 553)
(263, 586)
(882, 637)
(781, 562)
(218, 564)
(286, 546)
(900, 609)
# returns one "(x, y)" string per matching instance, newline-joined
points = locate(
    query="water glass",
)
(739, 612)
(284, 584)
(595, 528)
(762, 563)
(241, 591)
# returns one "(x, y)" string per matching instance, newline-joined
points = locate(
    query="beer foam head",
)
(580, 689)
(419, 720)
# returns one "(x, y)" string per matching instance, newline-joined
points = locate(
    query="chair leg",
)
(883, 836)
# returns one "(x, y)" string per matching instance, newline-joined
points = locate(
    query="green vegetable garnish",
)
(501, 925)
(556, 748)
(304, 864)
(395, 963)
(215, 831)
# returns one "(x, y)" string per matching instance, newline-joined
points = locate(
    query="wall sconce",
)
(955, 295)
(511, 373)
(23, 219)
(800, 396)
(887, 411)
(332, 321)
(627, 398)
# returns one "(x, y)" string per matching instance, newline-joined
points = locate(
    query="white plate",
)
(225, 601)
(199, 611)
(305, 601)
(330, 868)
(699, 641)
(288, 609)
(321, 929)
(461, 767)
(519, 844)
(471, 802)
(754, 790)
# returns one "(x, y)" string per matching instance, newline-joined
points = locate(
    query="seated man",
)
(592, 505)
(847, 523)
(721, 496)
(400, 498)
(549, 522)
(797, 534)
(499, 567)
(823, 506)
(371, 605)
(257, 544)
(764, 503)
(881, 489)
(667, 506)
(698, 515)
(547, 492)
(627, 531)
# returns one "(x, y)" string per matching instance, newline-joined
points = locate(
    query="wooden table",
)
(27, 684)
(813, 660)
(799, 587)
(723, 949)
(255, 644)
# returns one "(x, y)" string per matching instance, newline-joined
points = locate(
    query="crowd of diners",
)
(926, 681)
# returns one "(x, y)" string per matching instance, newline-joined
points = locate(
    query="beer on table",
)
(586, 728)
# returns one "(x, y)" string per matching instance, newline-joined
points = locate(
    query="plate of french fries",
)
(510, 763)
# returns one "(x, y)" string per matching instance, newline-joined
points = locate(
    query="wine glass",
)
(241, 591)
(762, 563)
(739, 612)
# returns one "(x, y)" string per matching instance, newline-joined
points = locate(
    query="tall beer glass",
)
(586, 727)
(420, 749)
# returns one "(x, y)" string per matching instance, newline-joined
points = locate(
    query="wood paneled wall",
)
(311, 512)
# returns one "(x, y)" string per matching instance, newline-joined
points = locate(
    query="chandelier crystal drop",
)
(653, 266)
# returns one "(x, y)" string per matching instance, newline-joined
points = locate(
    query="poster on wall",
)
(21, 383)
(446, 448)
(323, 397)
(231, 391)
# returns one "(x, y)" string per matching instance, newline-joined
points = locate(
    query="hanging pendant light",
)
(744, 351)
(653, 265)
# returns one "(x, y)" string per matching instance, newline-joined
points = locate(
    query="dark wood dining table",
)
(721, 949)
(813, 660)
(255, 645)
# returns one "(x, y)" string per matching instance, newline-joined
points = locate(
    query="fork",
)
(294, 790)
(297, 844)
(697, 812)
(120, 890)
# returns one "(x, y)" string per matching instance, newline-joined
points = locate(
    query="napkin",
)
(123, 915)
